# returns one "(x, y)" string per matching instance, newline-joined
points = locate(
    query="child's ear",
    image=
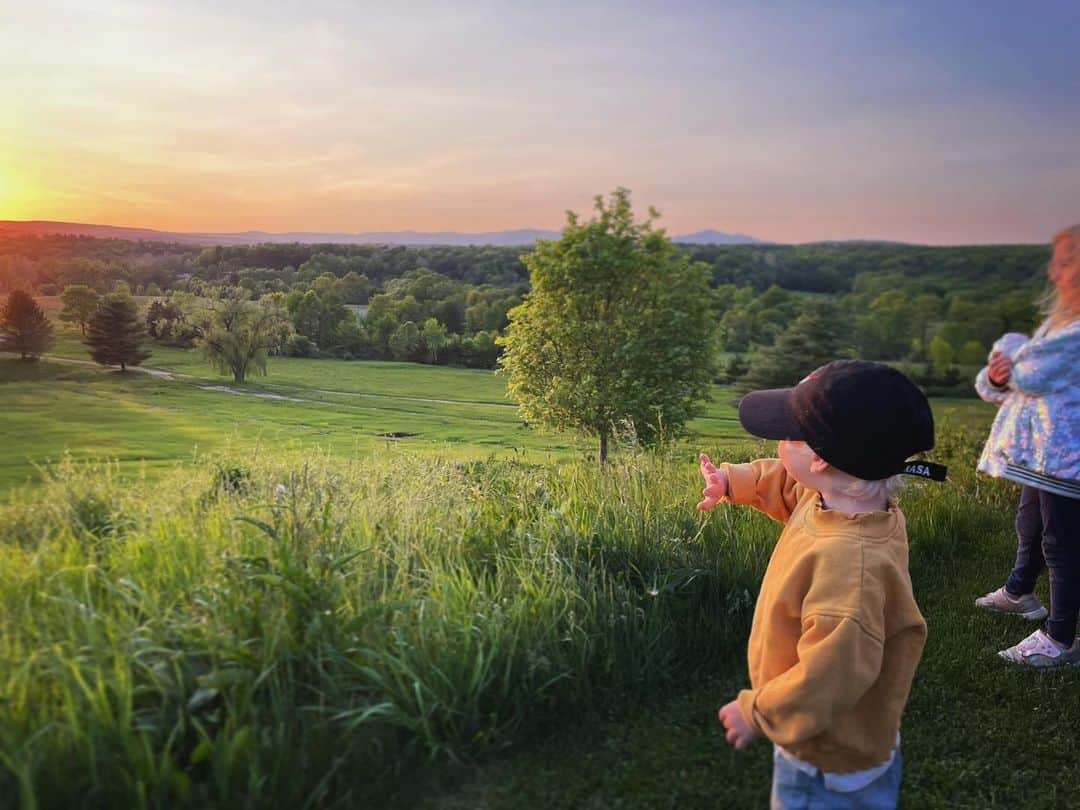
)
(818, 464)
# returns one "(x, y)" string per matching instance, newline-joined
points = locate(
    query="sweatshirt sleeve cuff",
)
(746, 700)
(742, 482)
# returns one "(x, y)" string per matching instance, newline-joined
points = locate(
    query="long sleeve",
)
(1048, 364)
(987, 390)
(765, 485)
(838, 661)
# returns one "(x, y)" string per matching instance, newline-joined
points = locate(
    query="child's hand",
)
(716, 483)
(999, 369)
(739, 732)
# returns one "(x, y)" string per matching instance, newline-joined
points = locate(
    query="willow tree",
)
(238, 334)
(614, 332)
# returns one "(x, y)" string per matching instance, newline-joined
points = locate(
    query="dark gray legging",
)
(1048, 535)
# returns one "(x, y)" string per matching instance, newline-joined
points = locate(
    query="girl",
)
(1035, 441)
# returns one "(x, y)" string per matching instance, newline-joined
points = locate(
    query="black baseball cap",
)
(866, 419)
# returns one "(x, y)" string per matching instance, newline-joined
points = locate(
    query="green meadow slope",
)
(64, 405)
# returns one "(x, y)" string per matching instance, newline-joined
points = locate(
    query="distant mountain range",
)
(524, 236)
(716, 238)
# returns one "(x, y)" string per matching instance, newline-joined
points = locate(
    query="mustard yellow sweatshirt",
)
(836, 635)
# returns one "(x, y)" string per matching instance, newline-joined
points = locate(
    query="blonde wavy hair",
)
(1061, 305)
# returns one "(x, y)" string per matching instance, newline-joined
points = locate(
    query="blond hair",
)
(1061, 305)
(861, 489)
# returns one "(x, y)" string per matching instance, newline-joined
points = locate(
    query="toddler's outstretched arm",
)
(763, 484)
(716, 483)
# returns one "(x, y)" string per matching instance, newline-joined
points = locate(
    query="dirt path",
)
(162, 374)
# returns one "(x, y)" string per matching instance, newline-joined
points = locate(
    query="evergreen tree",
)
(819, 334)
(24, 327)
(115, 332)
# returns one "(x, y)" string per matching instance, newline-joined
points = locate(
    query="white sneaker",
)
(999, 601)
(1042, 652)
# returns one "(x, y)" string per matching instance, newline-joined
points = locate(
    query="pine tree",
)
(24, 327)
(115, 332)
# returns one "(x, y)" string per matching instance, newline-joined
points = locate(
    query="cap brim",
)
(768, 414)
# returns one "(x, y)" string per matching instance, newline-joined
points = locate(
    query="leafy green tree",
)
(115, 332)
(354, 288)
(91, 272)
(1018, 311)
(736, 329)
(814, 338)
(968, 320)
(24, 327)
(164, 320)
(307, 314)
(79, 303)
(318, 316)
(406, 343)
(482, 350)
(925, 312)
(615, 330)
(352, 341)
(972, 353)
(735, 368)
(433, 335)
(883, 332)
(941, 353)
(240, 333)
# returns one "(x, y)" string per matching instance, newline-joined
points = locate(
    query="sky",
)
(931, 122)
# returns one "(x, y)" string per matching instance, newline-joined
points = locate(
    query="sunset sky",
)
(934, 122)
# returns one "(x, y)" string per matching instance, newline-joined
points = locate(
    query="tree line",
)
(617, 330)
(936, 310)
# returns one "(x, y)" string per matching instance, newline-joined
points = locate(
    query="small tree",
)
(434, 338)
(406, 342)
(79, 304)
(116, 332)
(240, 333)
(942, 353)
(24, 327)
(616, 329)
(972, 353)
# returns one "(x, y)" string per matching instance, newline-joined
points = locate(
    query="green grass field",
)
(345, 409)
(210, 598)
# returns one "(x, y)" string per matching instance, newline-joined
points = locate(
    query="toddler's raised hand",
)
(716, 483)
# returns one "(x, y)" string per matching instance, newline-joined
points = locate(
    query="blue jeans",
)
(1048, 535)
(794, 790)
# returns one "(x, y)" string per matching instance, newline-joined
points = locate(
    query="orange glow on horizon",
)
(15, 196)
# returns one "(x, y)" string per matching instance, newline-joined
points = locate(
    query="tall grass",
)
(257, 635)
(252, 635)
